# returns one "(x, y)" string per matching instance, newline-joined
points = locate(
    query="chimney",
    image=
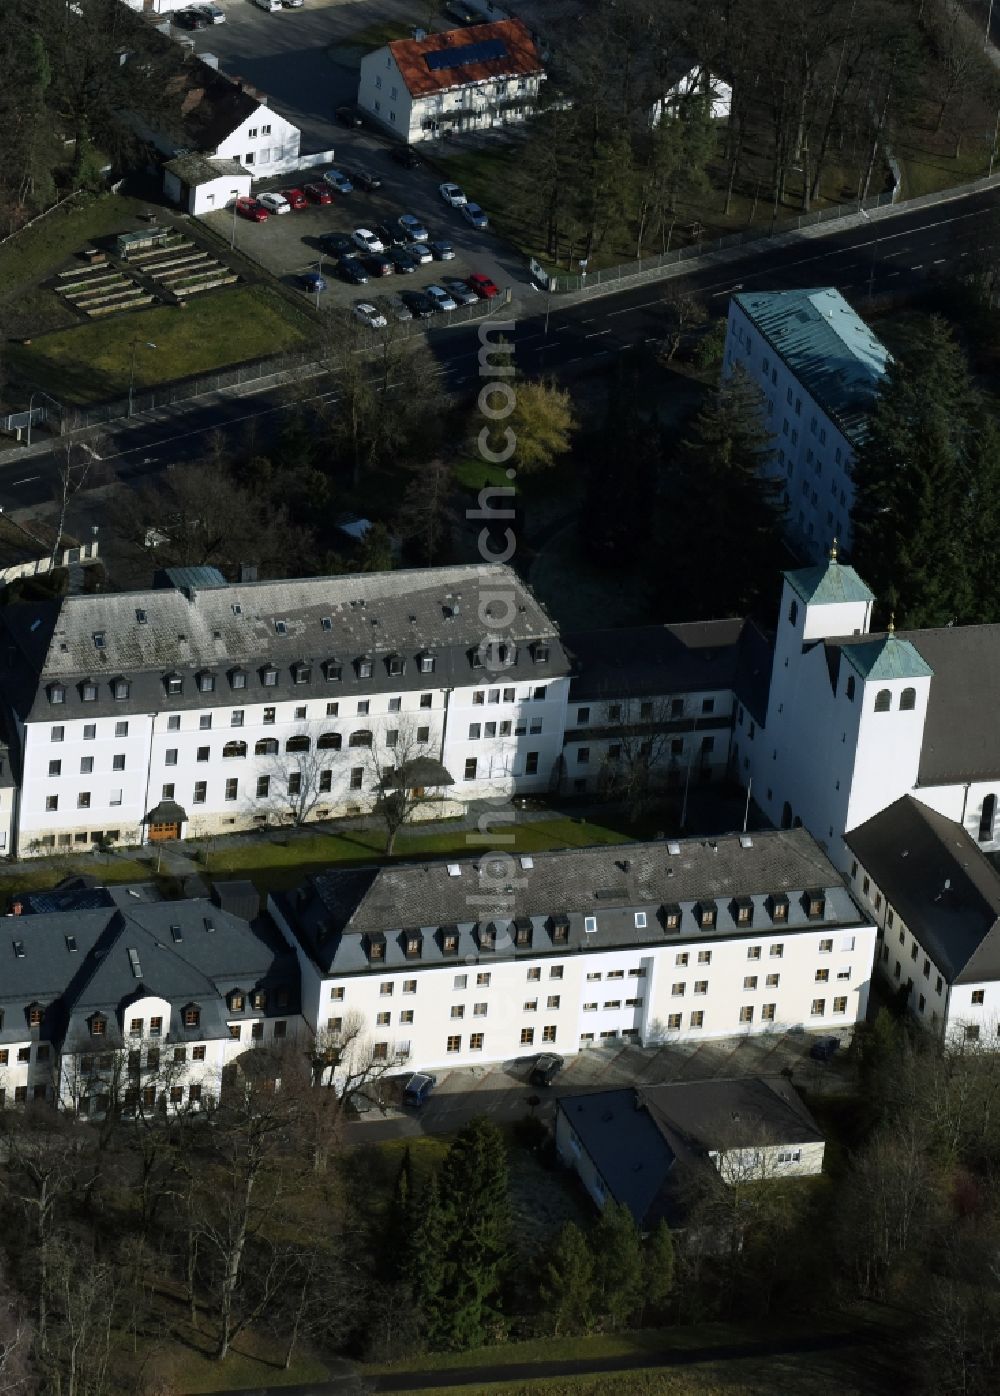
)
(16, 908)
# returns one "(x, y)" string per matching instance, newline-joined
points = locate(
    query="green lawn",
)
(475, 475)
(90, 362)
(42, 249)
(46, 872)
(274, 866)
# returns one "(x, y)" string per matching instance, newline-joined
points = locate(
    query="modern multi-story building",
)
(818, 367)
(483, 960)
(462, 80)
(113, 993)
(935, 897)
(199, 707)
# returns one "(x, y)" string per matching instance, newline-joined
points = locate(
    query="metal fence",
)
(275, 371)
(650, 265)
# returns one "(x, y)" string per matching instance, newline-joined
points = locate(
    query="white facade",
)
(264, 142)
(810, 450)
(467, 106)
(696, 85)
(206, 196)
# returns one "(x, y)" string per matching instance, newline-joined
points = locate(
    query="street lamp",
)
(131, 372)
(871, 273)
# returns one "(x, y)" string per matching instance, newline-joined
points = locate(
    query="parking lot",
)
(296, 59)
(503, 1091)
(290, 244)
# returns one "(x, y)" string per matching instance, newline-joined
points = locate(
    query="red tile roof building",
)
(464, 79)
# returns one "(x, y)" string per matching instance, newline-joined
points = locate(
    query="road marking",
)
(595, 334)
(26, 481)
(918, 267)
(938, 260)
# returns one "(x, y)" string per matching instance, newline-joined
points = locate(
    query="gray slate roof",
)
(146, 635)
(76, 961)
(636, 1137)
(333, 913)
(647, 660)
(939, 882)
(961, 734)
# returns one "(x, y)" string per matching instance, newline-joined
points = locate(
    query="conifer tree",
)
(566, 1288)
(618, 1263)
(659, 1266)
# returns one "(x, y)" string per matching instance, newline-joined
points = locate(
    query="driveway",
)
(502, 1092)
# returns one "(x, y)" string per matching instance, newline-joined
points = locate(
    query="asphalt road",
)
(895, 254)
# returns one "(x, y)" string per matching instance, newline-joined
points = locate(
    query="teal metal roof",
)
(830, 350)
(829, 583)
(886, 657)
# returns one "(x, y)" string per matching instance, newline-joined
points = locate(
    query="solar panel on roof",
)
(485, 51)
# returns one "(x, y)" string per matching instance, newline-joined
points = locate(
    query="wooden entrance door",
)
(159, 832)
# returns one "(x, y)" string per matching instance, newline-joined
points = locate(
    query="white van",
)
(269, 5)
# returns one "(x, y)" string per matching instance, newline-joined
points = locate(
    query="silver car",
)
(440, 297)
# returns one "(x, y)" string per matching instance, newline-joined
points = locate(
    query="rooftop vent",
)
(71, 944)
(454, 870)
(673, 847)
(18, 949)
(746, 841)
(209, 924)
(527, 861)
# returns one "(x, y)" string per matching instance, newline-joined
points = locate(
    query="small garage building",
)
(201, 185)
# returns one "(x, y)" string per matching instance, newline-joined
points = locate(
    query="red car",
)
(317, 193)
(250, 208)
(296, 198)
(483, 286)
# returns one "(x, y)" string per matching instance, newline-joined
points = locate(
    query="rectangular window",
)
(200, 792)
(840, 1004)
(86, 765)
(698, 1019)
(818, 1008)
(746, 1014)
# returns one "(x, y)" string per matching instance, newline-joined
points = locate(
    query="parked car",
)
(473, 214)
(418, 1088)
(317, 193)
(365, 179)
(459, 290)
(337, 245)
(352, 269)
(483, 286)
(247, 207)
(291, 4)
(824, 1049)
(403, 155)
(269, 5)
(215, 14)
(442, 251)
(369, 315)
(547, 1067)
(403, 260)
(367, 241)
(413, 228)
(378, 264)
(348, 116)
(191, 19)
(419, 305)
(296, 198)
(390, 235)
(419, 251)
(313, 282)
(274, 202)
(339, 181)
(452, 194)
(440, 297)
(395, 307)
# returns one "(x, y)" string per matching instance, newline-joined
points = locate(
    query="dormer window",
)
(742, 911)
(236, 1001)
(363, 667)
(301, 672)
(269, 676)
(449, 940)
(57, 693)
(427, 664)
(671, 917)
(396, 666)
(488, 936)
(206, 682)
(814, 901)
(98, 1025)
(238, 678)
(191, 1016)
(121, 688)
(540, 652)
(334, 671)
(560, 930)
(522, 931)
(413, 944)
(34, 1015)
(281, 627)
(707, 914)
(375, 947)
(778, 907)
(476, 659)
(326, 622)
(174, 684)
(88, 691)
